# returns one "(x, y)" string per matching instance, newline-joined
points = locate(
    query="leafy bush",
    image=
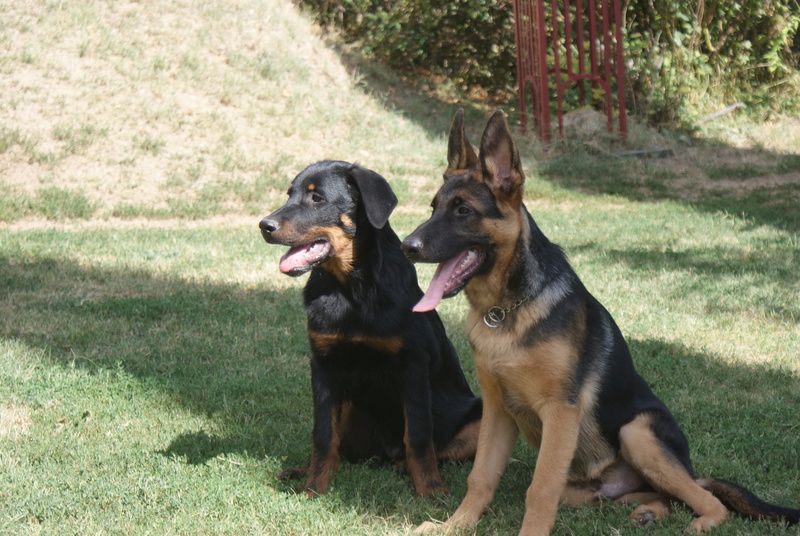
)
(717, 47)
(675, 48)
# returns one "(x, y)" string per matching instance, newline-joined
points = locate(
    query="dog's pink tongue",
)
(300, 257)
(438, 284)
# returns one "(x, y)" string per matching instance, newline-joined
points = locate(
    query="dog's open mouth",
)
(300, 259)
(450, 277)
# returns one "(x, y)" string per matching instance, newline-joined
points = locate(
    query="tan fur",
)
(320, 471)
(324, 341)
(456, 171)
(559, 439)
(463, 445)
(485, 291)
(422, 467)
(652, 506)
(496, 439)
(528, 386)
(641, 449)
(578, 495)
(341, 262)
(342, 257)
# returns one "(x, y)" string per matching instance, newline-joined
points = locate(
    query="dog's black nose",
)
(268, 226)
(412, 247)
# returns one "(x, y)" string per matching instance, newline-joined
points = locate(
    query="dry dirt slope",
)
(180, 108)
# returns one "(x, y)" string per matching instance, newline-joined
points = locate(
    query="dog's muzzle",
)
(268, 226)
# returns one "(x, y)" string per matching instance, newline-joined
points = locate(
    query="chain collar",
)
(496, 314)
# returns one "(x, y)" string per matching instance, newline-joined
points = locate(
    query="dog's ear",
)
(500, 163)
(460, 154)
(376, 195)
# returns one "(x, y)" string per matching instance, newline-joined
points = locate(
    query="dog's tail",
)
(744, 502)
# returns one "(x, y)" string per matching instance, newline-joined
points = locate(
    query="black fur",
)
(421, 380)
(538, 271)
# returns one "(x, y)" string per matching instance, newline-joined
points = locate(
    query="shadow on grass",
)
(756, 184)
(239, 356)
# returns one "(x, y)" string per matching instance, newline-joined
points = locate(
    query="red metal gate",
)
(534, 27)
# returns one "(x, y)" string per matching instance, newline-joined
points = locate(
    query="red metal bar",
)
(607, 68)
(592, 39)
(542, 61)
(557, 67)
(568, 37)
(532, 39)
(521, 59)
(619, 62)
(581, 53)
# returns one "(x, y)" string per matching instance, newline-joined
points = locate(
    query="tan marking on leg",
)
(423, 467)
(322, 469)
(496, 438)
(560, 429)
(642, 450)
(651, 507)
(578, 495)
(464, 444)
(638, 497)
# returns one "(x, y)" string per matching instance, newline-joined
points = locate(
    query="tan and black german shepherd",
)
(551, 362)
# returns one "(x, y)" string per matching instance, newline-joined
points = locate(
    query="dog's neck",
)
(522, 269)
(357, 269)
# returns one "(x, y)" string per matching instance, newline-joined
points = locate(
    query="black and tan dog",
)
(551, 362)
(386, 381)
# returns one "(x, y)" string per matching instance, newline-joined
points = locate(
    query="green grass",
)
(76, 139)
(167, 380)
(154, 366)
(52, 203)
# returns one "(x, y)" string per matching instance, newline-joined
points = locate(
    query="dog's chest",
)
(531, 376)
(530, 373)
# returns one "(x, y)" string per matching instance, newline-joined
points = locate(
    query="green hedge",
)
(720, 48)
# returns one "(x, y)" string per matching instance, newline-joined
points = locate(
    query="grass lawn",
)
(153, 362)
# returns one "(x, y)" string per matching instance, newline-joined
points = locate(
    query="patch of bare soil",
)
(15, 420)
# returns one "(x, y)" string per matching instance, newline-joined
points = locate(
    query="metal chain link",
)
(496, 314)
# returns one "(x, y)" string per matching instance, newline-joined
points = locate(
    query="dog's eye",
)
(316, 198)
(463, 210)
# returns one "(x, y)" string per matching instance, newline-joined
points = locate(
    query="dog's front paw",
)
(293, 473)
(431, 488)
(429, 527)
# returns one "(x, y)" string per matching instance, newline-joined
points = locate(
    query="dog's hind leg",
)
(359, 439)
(661, 469)
(577, 495)
(463, 445)
(652, 506)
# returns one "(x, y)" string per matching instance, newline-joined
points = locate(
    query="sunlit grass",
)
(154, 363)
